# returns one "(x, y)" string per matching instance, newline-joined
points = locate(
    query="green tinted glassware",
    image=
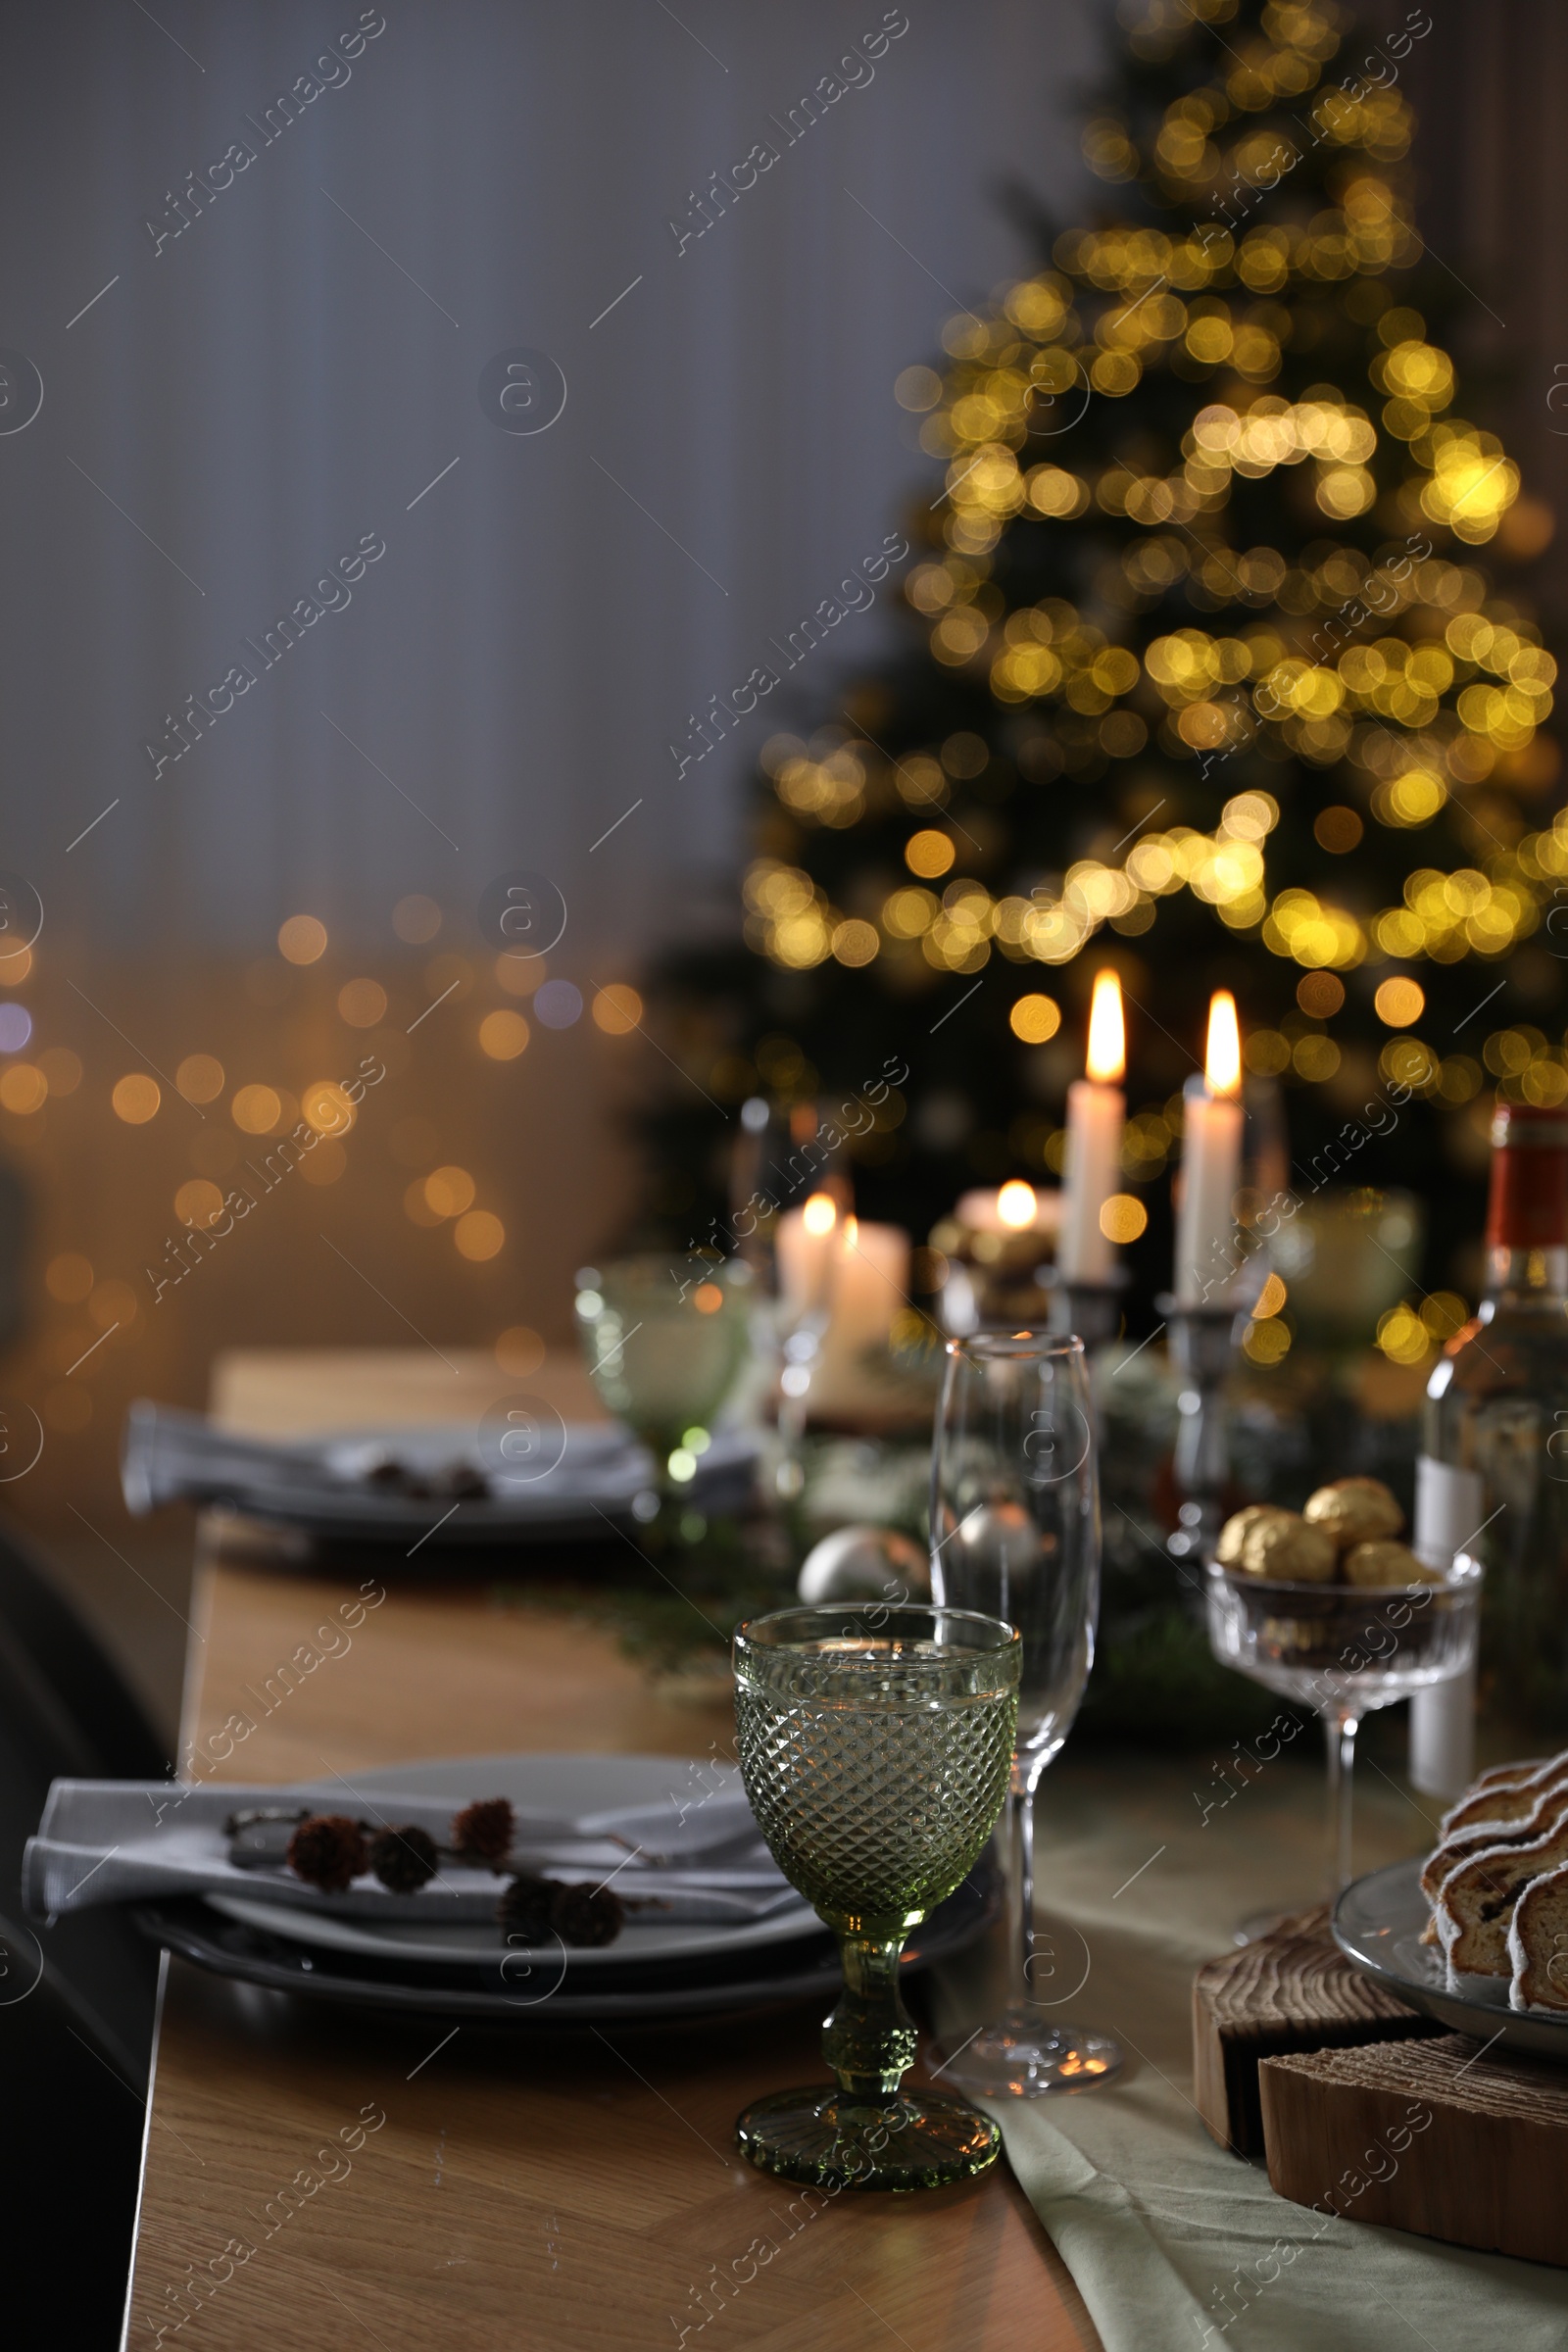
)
(666, 1339)
(876, 1744)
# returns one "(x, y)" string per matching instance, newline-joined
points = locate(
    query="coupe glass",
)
(874, 1743)
(665, 1338)
(1015, 1533)
(1344, 1651)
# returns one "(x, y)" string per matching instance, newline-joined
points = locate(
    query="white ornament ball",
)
(864, 1563)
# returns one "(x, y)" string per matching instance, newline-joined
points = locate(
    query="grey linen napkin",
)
(120, 1841)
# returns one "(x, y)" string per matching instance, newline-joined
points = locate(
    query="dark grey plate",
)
(313, 1489)
(528, 1992)
(1378, 1923)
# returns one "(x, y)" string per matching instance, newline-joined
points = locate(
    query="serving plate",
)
(1378, 1923)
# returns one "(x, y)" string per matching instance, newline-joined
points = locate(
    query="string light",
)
(1369, 646)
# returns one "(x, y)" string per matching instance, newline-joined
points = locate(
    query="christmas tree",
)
(1208, 676)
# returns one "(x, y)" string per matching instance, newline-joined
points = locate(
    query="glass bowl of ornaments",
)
(1328, 1607)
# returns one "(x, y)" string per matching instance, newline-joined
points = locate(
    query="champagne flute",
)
(875, 1743)
(1015, 1533)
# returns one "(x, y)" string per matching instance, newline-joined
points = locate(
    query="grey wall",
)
(257, 392)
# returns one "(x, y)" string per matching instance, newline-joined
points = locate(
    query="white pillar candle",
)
(1096, 1109)
(806, 1248)
(1211, 1163)
(871, 1287)
(1013, 1208)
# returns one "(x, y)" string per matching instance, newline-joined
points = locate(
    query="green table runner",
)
(1172, 2241)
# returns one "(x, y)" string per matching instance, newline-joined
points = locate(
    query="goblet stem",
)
(790, 1478)
(1020, 1829)
(869, 2040)
(1340, 1730)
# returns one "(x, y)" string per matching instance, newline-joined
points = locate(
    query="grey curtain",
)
(260, 291)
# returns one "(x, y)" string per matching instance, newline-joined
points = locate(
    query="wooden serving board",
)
(1426, 2136)
(1290, 1991)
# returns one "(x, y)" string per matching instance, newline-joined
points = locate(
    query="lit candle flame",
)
(820, 1214)
(1016, 1204)
(1107, 1034)
(1222, 1062)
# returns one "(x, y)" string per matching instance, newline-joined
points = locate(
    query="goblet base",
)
(916, 2139)
(1016, 2058)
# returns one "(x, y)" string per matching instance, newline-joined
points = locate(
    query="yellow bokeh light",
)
(928, 853)
(856, 943)
(417, 1208)
(14, 967)
(1338, 830)
(199, 1078)
(480, 1235)
(256, 1109)
(325, 1163)
(520, 1350)
(617, 1009)
(136, 1099)
(1399, 1002)
(1403, 1336)
(326, 1107)
(416, 919)
(302, 939)
(449, 1191)
(1251, 816)
(820, 1214)
(1123, 1217)
(68, 1278)
(1270, 1300)
(112, 1301)
(1444, 1313)
(361, 1003)
(198, 1203)
(1035, 1019)
(24, 1088)
(504, 1035)
(1266, 1343)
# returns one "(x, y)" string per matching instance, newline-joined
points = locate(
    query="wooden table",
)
(314, 2178)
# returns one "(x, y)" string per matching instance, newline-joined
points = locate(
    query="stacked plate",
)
(484, 1485)
(653, 1971)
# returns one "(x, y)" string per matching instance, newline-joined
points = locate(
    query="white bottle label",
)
(1449, 1507)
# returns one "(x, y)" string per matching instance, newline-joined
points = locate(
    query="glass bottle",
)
(1492, 1474)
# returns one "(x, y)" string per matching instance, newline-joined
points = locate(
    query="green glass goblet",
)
(876, 1747)
(665, 1339)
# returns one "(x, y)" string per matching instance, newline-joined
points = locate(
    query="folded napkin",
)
(121, 1841)
(169, 1456)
